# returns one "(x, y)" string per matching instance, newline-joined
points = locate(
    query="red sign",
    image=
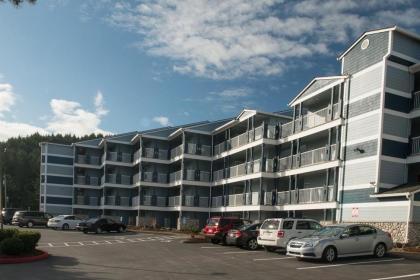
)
(355, 212)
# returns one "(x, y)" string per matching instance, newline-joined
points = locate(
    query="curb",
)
(14, 260)
(407, 255)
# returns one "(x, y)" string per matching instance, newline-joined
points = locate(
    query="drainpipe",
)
(409, 216)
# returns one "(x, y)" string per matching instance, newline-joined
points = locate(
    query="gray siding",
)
(397, 126)
(364, 105)
(58, 210)
(357, 59)
(359, 196)
(60, 170)
(366, 82)
(60, 149)
(363, 128)
(317, 85)
(360, 173)
(393, 173)
(416, 214)
(58, 190)
(370, 148)
(406, 45)
(398, 79)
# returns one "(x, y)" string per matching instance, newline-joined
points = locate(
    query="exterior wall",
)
(406, 45)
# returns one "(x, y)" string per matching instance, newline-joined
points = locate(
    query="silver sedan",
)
(341, 240)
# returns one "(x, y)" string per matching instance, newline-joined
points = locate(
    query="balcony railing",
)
(217, 201)
(415, 145)
(177, 151)
(197, 175)
(240, 140)
(156, 153)
(87, 200)
(87, 180)
(137, 155)
(316, 156)
(118, 179)
(135, 201)
(119, 157)
(174, 201)
(156, 177)
(236, 200)
(195, 149)
(161, 201)
(219, 148)
(175, 176)
(218, 175)
(117, 201)
(88, 159)
(416, 100)
(303, 196)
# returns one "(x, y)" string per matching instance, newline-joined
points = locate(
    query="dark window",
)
(42, 199)
(314, 226)
(353, 231)
(394, 149)
(60, 160)
(59, 200)
(43, 159)
(397, 103)
(367, 230)
(288, 224)
(302, 225)
(60, 180)
(69, 218)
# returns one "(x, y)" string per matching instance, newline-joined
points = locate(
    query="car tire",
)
(380, 250)
(224, 243)
(98, 230)
(330, 254)
(215, 241)
(85, 231)
(252, 244)
(121, 229)
(29, 224)
(65, 227)
(270, 249)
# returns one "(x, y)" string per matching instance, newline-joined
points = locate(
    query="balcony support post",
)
(330, 105)
(340, 99)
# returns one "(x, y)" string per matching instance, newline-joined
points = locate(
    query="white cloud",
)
(15, 129)
(230, 39)
(7, 98)
(163, 121)
(100, 104)
(233, 93)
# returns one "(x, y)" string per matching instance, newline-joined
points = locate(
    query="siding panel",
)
(364, 105)
(392, 173)
(406, 45)
(360, 173)
(363, 128)
(398, 79)
(366, 82)
(370, 148)
(397, 126)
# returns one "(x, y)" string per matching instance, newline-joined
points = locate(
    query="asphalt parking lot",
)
(75, 255)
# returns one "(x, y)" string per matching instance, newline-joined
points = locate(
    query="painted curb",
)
(14, 260)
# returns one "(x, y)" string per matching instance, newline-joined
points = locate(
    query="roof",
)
(394, 28)
(401, 190)
(316, 86)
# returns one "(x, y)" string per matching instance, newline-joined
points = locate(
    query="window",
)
(352, 231)
(288, 224)
(367, 230)
(270, 224)
(69, 218)
(314, 226)
(302, 225)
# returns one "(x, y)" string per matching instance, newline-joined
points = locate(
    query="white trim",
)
(357, 187)
(90, 207)
(376, 204)
(84, 165)
(311, 131)
(386, 186)
(311, 168)
(59, 185)
(299, 99)
(390, 194)
(396, 113)
(59, 165)
(394, 159)
(367, 69)
(363, 116)
(85, 145)
(361, 140)
(88, 187)
(397, 66)
(413, 158)
(398, 92)
(59, 195)
(405, 57)
(395, 138)
(363, 96)
(60, 205)
(313, 206)
(59, 175)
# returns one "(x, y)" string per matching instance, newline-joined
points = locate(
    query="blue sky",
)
(115, 66)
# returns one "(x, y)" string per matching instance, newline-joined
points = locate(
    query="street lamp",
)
(1, 189)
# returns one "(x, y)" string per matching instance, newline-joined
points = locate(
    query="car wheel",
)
(85, 231)
(252, 244)
(330, 254)
(380, 250)
(65, 227)
(121, 229)
(270, 249)
(224, 243)
(29, 224)
(98, 230)
(215, 241)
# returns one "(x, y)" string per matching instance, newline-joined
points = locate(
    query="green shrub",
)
(30, 239)
(7, 233)
(12, 246)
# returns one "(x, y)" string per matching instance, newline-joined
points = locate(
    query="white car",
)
(63, 222)
(276, 233)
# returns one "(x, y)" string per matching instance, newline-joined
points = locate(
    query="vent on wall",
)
(365, 44)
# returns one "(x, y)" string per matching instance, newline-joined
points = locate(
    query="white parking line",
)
(239, 252)
(344, 264)
(397, 277)
(273, 259)
(211, 247)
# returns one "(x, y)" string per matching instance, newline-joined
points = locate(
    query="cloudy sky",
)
(115, 66)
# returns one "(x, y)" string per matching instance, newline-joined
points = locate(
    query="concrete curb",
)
(15, 260)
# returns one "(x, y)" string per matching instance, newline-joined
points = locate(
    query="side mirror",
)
(344, 236)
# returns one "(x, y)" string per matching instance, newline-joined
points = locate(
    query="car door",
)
(70, 221)
(289, 232)
(303, 229)
(349, 241)
(367, 237)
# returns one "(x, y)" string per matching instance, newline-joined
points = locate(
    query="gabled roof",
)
(92, 142)
(317, 85)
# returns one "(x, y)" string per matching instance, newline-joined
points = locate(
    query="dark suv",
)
(217, 228)
(30, 218)
(7, 214)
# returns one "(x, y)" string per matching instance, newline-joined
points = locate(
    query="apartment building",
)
(347, 151)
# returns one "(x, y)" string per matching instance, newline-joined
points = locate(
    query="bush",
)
(8, 233)
(30, 239)
(12, 246)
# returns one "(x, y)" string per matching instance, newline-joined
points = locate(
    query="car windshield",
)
(93, 220)
(213, 222)
(328, 231)
(270, 224)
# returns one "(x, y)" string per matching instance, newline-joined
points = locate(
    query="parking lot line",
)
(240, 252)
(344, 264)
(273, 259)
(397, 277)
(211, 247)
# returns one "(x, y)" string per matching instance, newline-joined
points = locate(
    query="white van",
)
(276, 233)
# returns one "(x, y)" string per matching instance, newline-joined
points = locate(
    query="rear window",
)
(213, 222)
(270, 224)
(288, 224)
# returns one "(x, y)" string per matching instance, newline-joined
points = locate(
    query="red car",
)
(217, 228)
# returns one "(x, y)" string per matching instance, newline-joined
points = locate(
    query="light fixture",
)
(360, 150)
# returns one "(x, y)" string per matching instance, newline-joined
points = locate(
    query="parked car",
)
(217, 228)
(30, 218)
(7, 214)
(276, 233)
(63, 222)
(342, 240)
(99, 225)
(245, 236)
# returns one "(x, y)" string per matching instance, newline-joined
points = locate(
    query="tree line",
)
(20, 164)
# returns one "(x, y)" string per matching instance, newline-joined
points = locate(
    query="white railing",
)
(286, 129)
(112, 156)
(206, 150)
(124, 201)
(237, 170)
(175, 176)
(219, 148)
(416, 100)
(332, 195)
(136, 178)
(190, 175)
(218, 175)
(110, 200)
(147, 200)
(283, 198)
(189, 200)
(148, 176)
(149, 152)
(252, 198)
(111, 178)
(415, 145)
(161, 201)
(163, 154)
(126, 157)
(125, 179)
(268, 198)
(271, 131)
(285, 163)
(269, 165)
(312, 195)
(236, 200)
(217, 201)
(135, 201)
(256, 166)
(259, 133)
(177, 151)
(204, 176)
(137, 155)
(192, 148)
(203, 201)
(173, 201)
(314, 119)
(317, 156)
(336, 108)
(294, 197)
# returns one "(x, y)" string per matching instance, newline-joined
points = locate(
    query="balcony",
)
(243, 169)
(178, 151)
(302, 196)
(155, 177)
(117, 201)
(119, 157)
(416, 100)
(195, 149)
(88, 159)
(118, 179)
(311, 120)
(196, 201)
(87, 200)
(174, 201)
(240, 140)
(233, 200)
(87, 180)
(155, 153)
(316, 156)
(197, 175)
(415, 143)
(152, 200)
(175, 176)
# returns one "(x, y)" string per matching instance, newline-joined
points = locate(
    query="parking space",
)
(75, 255)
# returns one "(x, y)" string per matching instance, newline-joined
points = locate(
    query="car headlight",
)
(310, 244)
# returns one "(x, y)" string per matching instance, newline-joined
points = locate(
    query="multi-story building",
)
(347, 151)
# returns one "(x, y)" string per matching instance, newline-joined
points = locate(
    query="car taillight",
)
(238, 233)
(280, 234)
